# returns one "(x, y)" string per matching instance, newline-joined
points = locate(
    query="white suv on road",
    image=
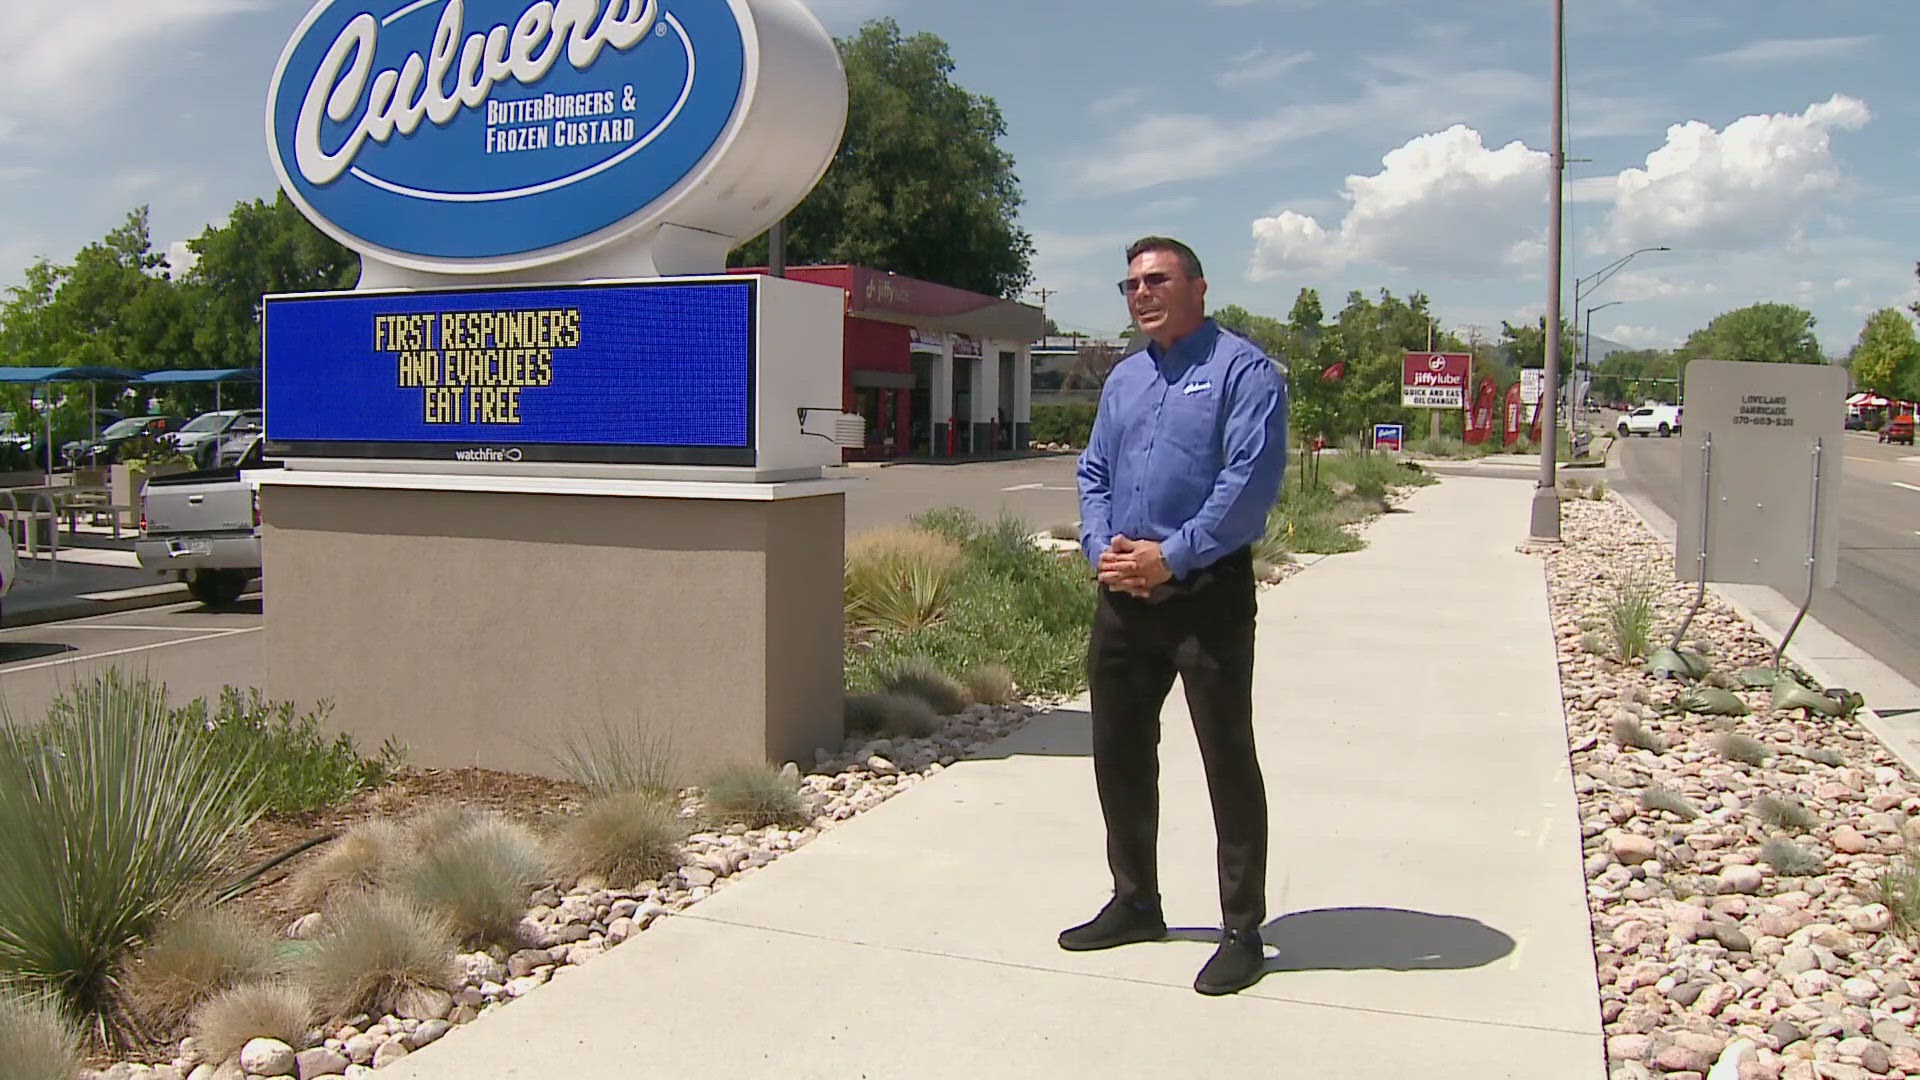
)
(1661, 420)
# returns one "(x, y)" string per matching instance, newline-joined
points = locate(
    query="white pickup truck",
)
(1661, 420)
(204, 527)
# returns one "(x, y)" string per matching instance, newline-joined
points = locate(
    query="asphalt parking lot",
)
(195, 651)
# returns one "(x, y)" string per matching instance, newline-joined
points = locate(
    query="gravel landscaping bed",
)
(1712, 947)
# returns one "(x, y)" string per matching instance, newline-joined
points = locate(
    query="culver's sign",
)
(486, 135)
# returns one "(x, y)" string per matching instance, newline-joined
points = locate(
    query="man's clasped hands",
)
(1134, 567)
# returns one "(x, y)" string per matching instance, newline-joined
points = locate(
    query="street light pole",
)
(1546, 495)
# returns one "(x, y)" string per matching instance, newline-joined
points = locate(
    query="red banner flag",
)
(1512, 428)
(1480, 420)
(1335, 371)
(1538, 412)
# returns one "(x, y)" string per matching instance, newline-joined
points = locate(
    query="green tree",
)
(1770, 333)
(1637, 375)
(262, 248)
(920, 185)
(1268, 333)
(1886, 359)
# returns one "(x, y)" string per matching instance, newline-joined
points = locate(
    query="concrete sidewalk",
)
(1430, 914)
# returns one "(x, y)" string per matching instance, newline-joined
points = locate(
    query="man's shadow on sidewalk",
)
(1371, 938)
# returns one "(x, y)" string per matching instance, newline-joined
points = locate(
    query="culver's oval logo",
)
(450, 132)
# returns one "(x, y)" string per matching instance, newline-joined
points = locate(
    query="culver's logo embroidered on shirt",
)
(476, 129)
(1196, 388)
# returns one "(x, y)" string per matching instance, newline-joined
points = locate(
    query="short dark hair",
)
(1188, 260)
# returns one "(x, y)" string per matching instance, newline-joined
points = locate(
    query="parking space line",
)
(1909, 487)
(215, 636)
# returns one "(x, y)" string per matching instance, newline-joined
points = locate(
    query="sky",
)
(1333, 144)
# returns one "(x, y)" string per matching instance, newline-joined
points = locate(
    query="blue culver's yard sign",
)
(459, 133)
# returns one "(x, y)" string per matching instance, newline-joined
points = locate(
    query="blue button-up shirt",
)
(1188, 449)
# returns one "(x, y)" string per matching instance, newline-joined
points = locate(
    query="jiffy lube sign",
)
(478, 135)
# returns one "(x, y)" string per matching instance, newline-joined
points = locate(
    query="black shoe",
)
(1236, 965)
(1119, 923)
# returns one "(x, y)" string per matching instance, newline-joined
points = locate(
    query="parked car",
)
(106, 449)
(236, 444)
(1661, 420)
(201, 437)
(204, 527)
(35, 432)
(1898, 430)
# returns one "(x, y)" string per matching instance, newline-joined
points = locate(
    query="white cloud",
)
(1776, 51)
(1633, 285)
(57, 52)
(1258, 65)
(180, 258)
(1640, 337)
(1442, 201)
(1168, 147)
(1734, 189)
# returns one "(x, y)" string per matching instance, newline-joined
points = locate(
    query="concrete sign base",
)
(482, 627)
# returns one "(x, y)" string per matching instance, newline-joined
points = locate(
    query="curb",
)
(79, 608)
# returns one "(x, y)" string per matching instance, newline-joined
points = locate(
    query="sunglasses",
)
(1146, 281)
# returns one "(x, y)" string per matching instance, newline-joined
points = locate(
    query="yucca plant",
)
(900, 579)
(625, 838)
(196, 955)
(477, 878)
(755, 796)
(111, 814)
(37, 1040)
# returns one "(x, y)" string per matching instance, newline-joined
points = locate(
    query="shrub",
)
(300, 769)
(110, 814)
(374, 947)
(197, 955)
(1790, 859)
(226, 1022)
(1783, 813)
(626, 838)
(1742, 748)
(359, 861)
(1069, 422)
(900, 579)
(1657, 798)
(890, 715)
(989, 684)
(1016, 605)
(617, 759)
(1630, 615)
(37, 1041)
(1630, 732)
(755, 796)
(922, 678)
(478, 878)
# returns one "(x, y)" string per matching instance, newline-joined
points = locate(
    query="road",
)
(195, 651)
(1876, 603)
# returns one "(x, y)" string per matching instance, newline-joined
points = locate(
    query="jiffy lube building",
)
(548, 467)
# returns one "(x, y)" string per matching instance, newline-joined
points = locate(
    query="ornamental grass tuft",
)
(755, 796)
(1745, 749)
(374, 947)
(612, 759)
(1787, 815)
(891, 715)
(1632, 733)
(917, 676)
(477, 878)
(625, 838)
(226, 1022)
(1663, 799)
(989, 684)
(1789, 859)
(195, 956)
(359, 861)
(37, 1040)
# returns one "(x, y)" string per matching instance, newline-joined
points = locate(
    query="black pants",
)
(1203, 633)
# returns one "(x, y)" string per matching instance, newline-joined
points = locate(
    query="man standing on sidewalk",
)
(1185, 459)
